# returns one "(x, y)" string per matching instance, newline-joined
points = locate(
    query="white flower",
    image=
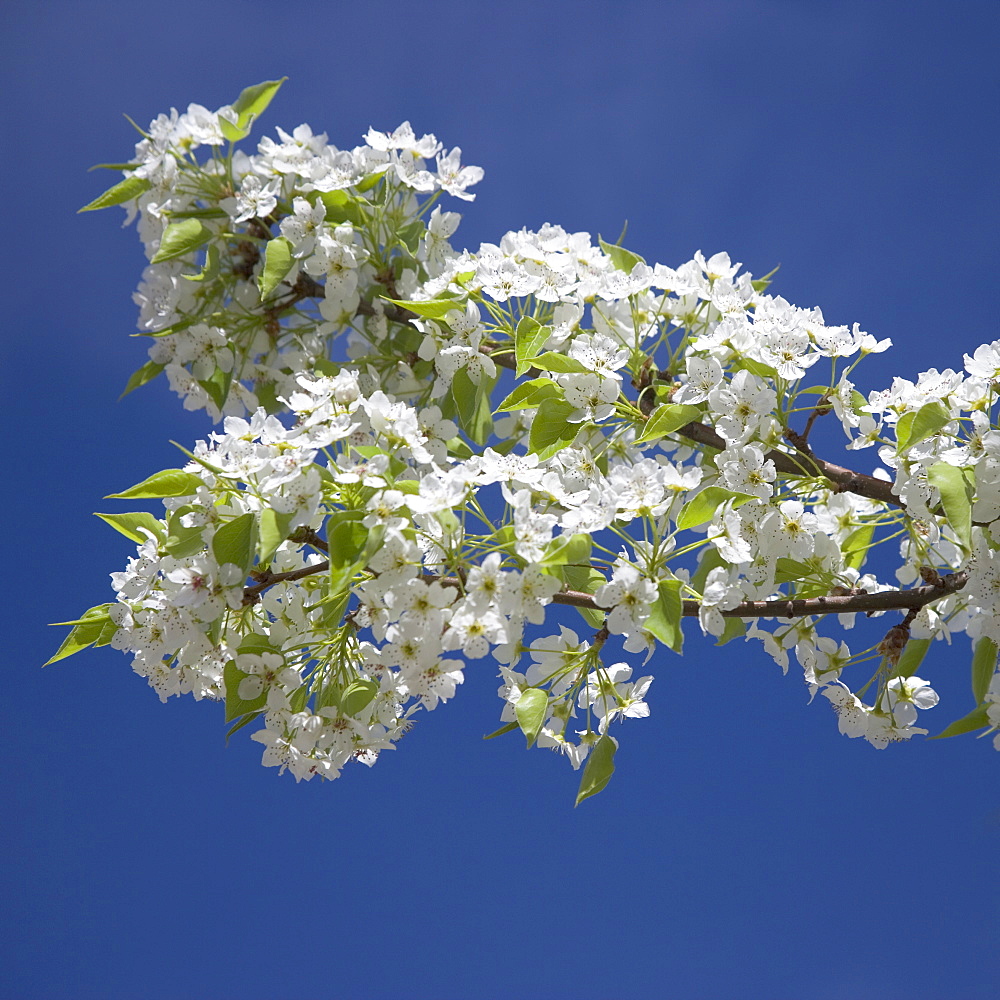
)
(905, 695)
(744, 470)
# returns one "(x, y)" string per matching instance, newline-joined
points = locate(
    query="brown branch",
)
(251, 595)
(834, 604)
(802, 464)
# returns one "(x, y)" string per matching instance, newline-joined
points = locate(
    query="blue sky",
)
(744, 848)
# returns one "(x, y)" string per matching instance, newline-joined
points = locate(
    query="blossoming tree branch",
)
(423, 452)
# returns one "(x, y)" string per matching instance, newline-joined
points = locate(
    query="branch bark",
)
(832, 604)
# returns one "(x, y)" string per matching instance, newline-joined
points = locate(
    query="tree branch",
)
(833, 604)
(803, 463)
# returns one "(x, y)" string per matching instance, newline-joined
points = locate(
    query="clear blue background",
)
(744, 848)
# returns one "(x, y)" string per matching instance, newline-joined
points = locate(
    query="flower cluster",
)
(545, 421)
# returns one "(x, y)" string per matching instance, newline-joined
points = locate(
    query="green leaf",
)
(578, 574)
(502, 731)
(735, 628)
(278, 262)
(273, 531)
(917, 425)
(529, 338)
(856, 546)
(702, 507)
(145, 374)
(123, 191)
(211, 269)
(598, 769)
(235, 705)
(976, 719)
(789, 570)
(168, 483)
(551, 430)
(254, 642)
(530, 394)
(913, 655)
(472, 405)
(957, 490)
(236, 541)
(217, 386)
(553, 361)
(245, 721)
(557, 552)
(664, 621)
(198, 213)
(357, 696)
(757, 368)
(347, 539)
(623, 259)
(666, 419)
(708, 560)
(180, 238)
(198, 460)
(531, 711)
(430, 309)
(984, 665)
(95, 627)
(181, 541)
(248, 106)
(342, 207)
(128, 524)
(181, 324)
(113, 166)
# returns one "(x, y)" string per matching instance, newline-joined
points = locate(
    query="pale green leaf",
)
(342, 207)
(128, 525)
(553, 361)
(502, 731)
(957, 492)
(145, 374)
(180, 238)
(984, 665)
(735, 628)
(273, 531)
(976, 719)
(913, 655)
(856, 546)
(529, 338)
(245, 721)
(757, 368)
(551, 429)
(278, 262)
(95, 627)
(236, 541)
(531, 710)
(598, 769)
(917, 425)
(357, 696)
(183, 541)
(248, 107)
(622, 259)
(472, 404)
(211, 269)
(530, 394)
(123, 191)
(430, 308)
(664, 621)
(168, 483)
(235, 705)
(703, 506)
(668, 418)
